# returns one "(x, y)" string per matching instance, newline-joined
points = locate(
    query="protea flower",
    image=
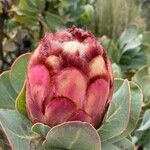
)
(69, 79)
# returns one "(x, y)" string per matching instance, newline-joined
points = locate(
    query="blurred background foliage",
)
(121, 26)
(24, 22)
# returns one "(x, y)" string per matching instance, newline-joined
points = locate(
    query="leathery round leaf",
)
(7, 93)
(136, 105)
(145, 122)
(125, 144)
(40, 129)
(21, 101)
(118, 113)
(109, 146)
(18, 71)
(73, 135)
(17, 129)
(142, 77)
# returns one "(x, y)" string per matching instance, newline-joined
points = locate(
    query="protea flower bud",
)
(69, 79)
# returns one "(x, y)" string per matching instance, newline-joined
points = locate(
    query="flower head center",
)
(73, 47)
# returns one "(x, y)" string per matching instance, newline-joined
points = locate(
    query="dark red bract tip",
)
(80, 34)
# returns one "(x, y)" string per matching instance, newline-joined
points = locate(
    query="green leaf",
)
(136, 104)
(33, 7)
(114, 52)
(21, 101)
(146, 121)
(28, 21)
(73, 136)
(133, 60)
(135, 43)
(87, 13)
(129, 34)
(112, 49)
(117, 84)
(147, 146)
(17, 129)
(125, 144)
(28, 12)
(141, 138)
(142, 77)
(53, 21)
(18, 71)
(27, 5)
(7, 93)
(116, 71)
(109, 146)
(118, 113)
(146, 38)
(41, 129)
(38, 4)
